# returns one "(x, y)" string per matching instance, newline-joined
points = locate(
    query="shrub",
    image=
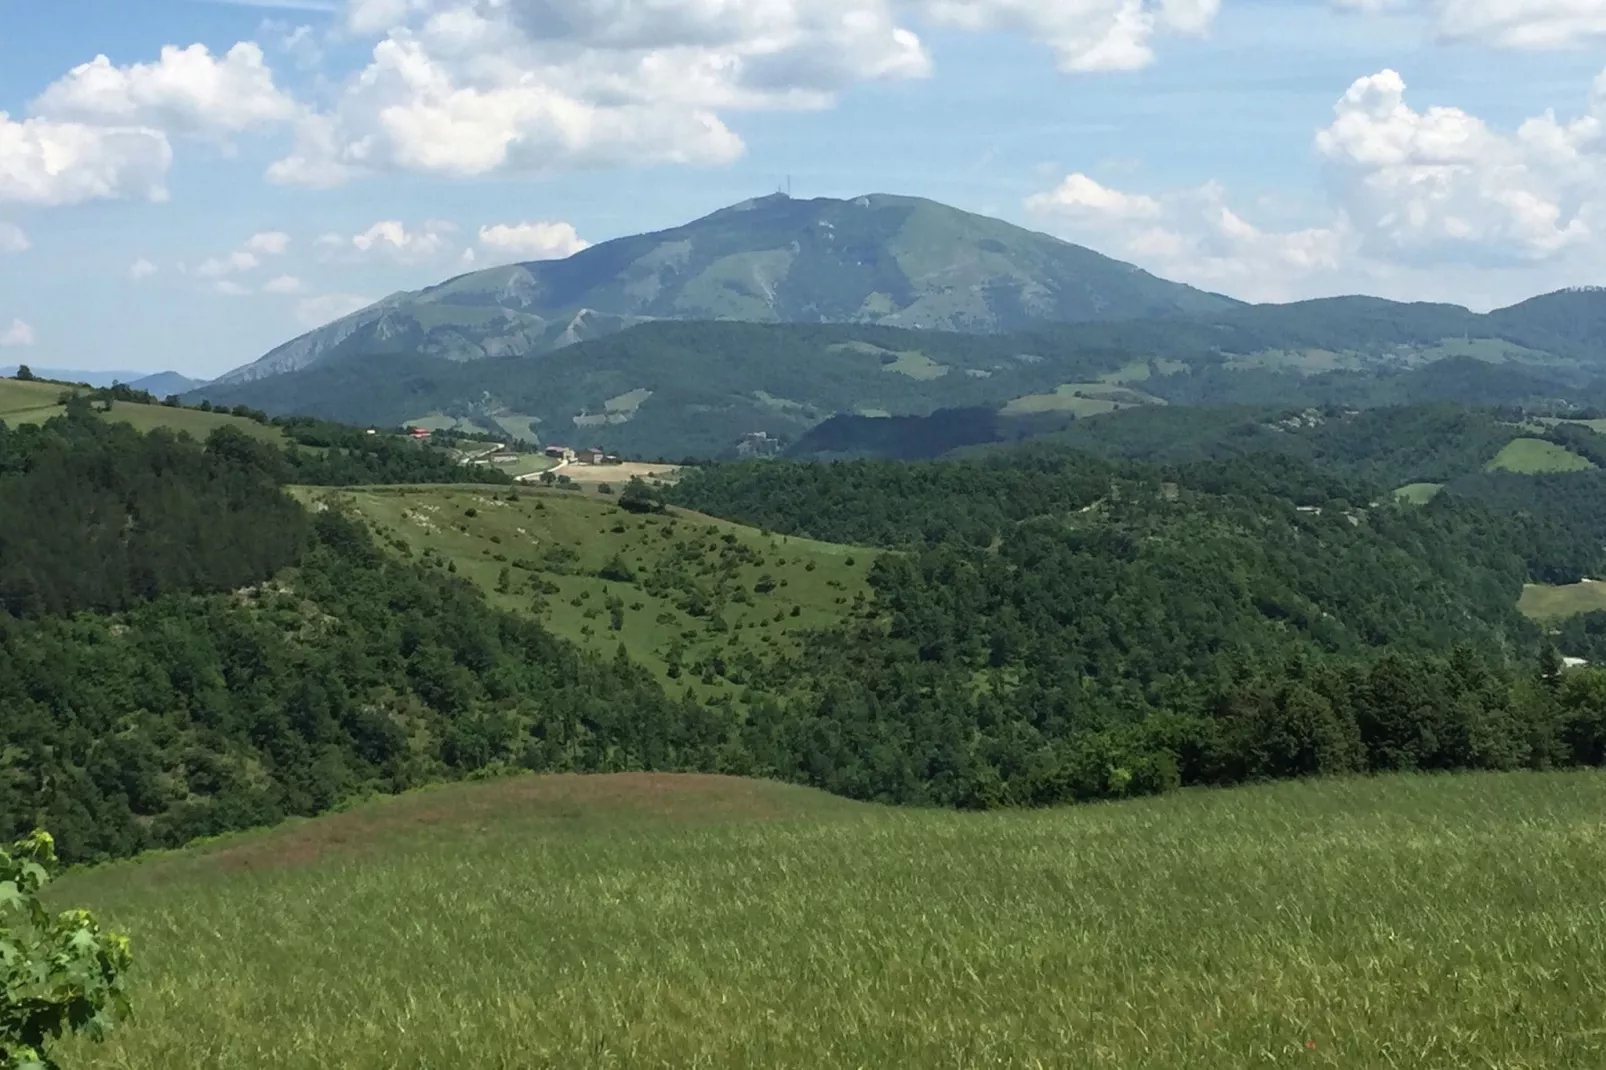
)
(61, 974)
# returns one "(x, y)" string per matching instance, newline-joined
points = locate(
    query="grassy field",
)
(1528, 456)
(707, 605)
(646, 921)
(1545, 602)
(34, 403)
(1418, 493)
(1081, 399)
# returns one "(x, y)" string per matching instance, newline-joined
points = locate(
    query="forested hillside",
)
(1039, 626)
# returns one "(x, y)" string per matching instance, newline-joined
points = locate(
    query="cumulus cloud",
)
(283, 284)
(46, 162)
(17, 335)
(1440, 184)
(1433, 202)
(1192, 235)
(392, 240)
(186, 91)
(141, 269)
(532, 241)
(474, 87)
(313, 312)
(230, 288)
(13, 239)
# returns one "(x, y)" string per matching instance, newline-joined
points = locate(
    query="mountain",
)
(880, 259)
(163, 384)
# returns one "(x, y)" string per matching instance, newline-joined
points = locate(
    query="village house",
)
(559, 453)
(591, 455)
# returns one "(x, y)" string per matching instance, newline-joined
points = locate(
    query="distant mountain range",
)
(783, 324)
(892, 261)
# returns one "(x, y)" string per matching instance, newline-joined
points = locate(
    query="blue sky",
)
(186, 183)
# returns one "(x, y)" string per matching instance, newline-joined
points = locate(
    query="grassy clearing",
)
(1545, 602)
(1418, 493)
(1528, 456)
(648, 921)
(709, 607)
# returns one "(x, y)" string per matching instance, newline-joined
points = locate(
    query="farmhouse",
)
(559, 453)
(418, 434)
(591, 455)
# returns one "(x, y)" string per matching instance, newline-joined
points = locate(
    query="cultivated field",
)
(1531, 455)
(616, 476)
(661, 922)
(695, 593)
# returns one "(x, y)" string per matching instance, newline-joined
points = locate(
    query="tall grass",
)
(1412, 922)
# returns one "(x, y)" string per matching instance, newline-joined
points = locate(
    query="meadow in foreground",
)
(657, 921)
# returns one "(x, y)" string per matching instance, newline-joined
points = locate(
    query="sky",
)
(185, 184)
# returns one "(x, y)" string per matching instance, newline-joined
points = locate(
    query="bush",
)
(62, 974)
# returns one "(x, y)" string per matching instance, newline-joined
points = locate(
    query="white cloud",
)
(475, 87)
(268, 243)
(283, 284)
(1081, 197)
(313, 312)
(186, 91)
(1193, 236)
(391, 239)
(236, 262)
(141, 269)
(1086, 35)
(1439, 184)
(13, 239)
(230, 288)
(45, 162)
(1517, 24)
(1523, 23)
(533, 241)
(1434, 204)
(16, 335)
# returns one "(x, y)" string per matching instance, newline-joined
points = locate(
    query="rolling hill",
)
(898, 261)
(650, 920)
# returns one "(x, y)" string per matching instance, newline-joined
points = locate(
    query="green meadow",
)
(652, 921)
(1528, 456)
(677, 588)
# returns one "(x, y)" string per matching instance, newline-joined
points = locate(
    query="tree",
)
(638, 497)
(25, 373)
(61, 974)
